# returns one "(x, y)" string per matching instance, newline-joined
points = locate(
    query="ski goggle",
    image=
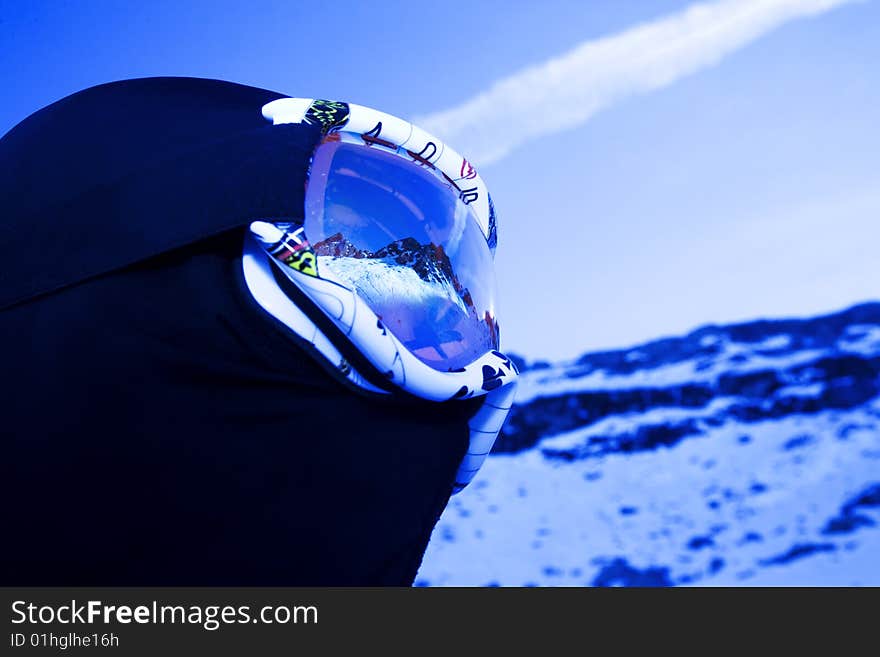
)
(395, 249)
(399, 234)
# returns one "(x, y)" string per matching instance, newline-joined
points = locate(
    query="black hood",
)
(159, 427)
(118, 173)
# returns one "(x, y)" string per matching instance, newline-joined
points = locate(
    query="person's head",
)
(174, 249)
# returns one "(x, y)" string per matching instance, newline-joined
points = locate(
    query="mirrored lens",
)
(399, 235)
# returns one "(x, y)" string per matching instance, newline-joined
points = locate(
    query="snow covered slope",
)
(745, 454)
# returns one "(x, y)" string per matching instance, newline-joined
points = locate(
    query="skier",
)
(248, 339)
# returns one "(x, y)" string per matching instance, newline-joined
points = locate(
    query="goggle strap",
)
(484, 427)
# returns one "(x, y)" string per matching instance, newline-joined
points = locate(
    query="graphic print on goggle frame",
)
(493, 374)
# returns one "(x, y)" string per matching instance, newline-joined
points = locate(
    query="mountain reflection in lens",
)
(399, 235)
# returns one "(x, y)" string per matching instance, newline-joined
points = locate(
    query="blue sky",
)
(747, 187)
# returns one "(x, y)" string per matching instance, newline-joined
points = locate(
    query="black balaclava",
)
(158, 426)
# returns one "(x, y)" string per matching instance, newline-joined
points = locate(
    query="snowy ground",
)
(792, 500)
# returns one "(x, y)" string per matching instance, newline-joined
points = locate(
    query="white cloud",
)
(567, 90)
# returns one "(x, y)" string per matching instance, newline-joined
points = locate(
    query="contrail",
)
(567, 90)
